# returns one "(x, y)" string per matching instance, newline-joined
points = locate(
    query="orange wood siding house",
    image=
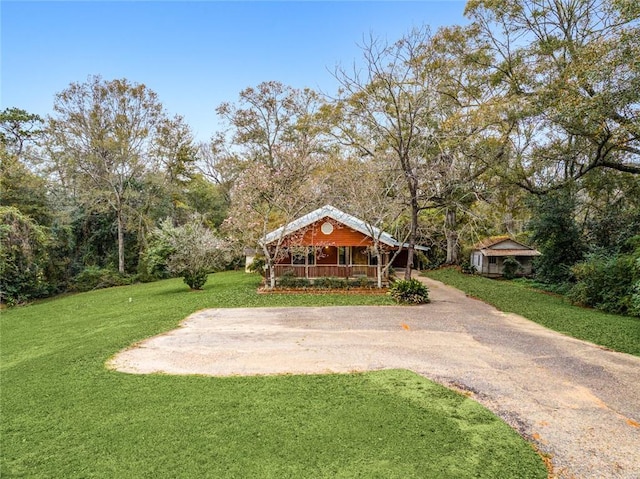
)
(330, 243)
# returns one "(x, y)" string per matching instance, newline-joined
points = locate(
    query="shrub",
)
(467, 268)
(606, 283)
(195, 279)
(330, 283)
(258, 265)
(191, 251)
(510, 267)
(94, 277)
(288, 279)
(409, 291)
(23, 257)
(634, 310)
(363, 282)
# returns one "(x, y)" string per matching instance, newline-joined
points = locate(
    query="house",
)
(331, 243)
(488, 256)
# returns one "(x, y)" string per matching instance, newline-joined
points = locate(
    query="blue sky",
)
(194, 55)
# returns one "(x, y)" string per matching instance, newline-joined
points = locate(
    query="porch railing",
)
(322, 271)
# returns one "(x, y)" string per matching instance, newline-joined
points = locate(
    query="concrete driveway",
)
(577, 402)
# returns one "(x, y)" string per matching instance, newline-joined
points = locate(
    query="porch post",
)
(306, 262)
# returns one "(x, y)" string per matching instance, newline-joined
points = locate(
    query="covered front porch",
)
(329, 262)
(327, 271)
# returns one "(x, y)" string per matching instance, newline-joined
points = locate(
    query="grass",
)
(619, 333)
(65, 415)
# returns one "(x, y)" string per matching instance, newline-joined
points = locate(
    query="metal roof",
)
(510, 252)
(490, 243)
(329, 211)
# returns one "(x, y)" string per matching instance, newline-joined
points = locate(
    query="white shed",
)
(488, 255)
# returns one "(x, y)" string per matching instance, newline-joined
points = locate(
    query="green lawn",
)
(64, 415)
(620, 333)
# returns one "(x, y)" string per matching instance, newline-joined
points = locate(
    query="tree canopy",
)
(524, 121)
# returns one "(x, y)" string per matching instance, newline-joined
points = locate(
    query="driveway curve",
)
(578, 402)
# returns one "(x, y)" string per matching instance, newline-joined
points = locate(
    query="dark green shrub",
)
(467, 268)
(510, 267)
(288, 279)
(363, 282)
(195, 279)
(635, 298)
(23, 257)
(606, 283)
(409, 291)
(258, 265)
(330, 283)
(94, 277)
(555, 232)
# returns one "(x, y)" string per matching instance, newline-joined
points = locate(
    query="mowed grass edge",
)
(619, 333)
(65, 415)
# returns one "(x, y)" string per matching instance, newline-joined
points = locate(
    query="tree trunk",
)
(272, 276)
(379, 268)
(412, 235)
(452, 237)
(120, 242)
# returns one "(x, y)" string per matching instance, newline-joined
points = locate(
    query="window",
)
(297, 258)
(301, 254)
(360, 256)
(342, 255)
(493, 260)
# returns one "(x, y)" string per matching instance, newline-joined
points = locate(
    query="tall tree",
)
(277, 155)
(103, 131)
(370, 190)
(425, 102)
(17, 128)
(390, 106)
(570, 72)
(21, 187)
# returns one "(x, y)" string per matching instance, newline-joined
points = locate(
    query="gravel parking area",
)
(579, 403)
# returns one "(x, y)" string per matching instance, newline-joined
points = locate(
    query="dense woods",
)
(524, 122)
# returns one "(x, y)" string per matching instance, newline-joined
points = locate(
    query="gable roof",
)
(329, 211)
(487, 247)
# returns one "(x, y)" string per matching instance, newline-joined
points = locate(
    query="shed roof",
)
(488, 247)
(510, 252)
(329, 211)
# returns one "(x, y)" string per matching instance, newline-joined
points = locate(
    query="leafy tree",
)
(278, 153)
(103, 132)
(369, 191)
(610, 206)
(23, 257)
(607, 282)
(571, 83)
(22, 189)
(390, 107)
(419, 102)
(557, 236)
(191, 251)
(17, 128)
(175, 151)
(19, 186)
(207, 199)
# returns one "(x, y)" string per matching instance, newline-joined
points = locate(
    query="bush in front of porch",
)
(289, 280)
